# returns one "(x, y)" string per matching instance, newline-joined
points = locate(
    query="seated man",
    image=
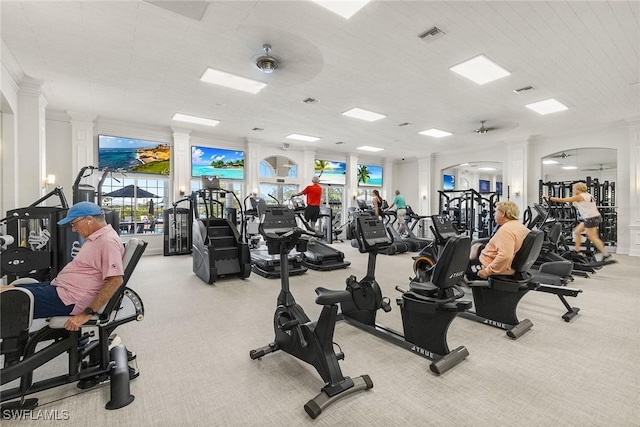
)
(90, 280)
(496, 256)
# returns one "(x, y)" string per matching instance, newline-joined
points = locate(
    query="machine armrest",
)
(58, 322)
(479, 284)
(558, 268)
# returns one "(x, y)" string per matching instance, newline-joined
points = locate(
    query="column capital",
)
(81, 117)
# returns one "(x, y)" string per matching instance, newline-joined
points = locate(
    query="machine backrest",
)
(529, 251)
(554, 233)
(16, 313)
(452, 263)
(132, 254)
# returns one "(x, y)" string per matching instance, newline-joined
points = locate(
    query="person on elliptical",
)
(314, 198)
(88, 282)
(377, 203)
(401, 206)
(496, 256)
(591, 219)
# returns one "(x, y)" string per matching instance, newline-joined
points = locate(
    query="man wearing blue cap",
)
(88, 282)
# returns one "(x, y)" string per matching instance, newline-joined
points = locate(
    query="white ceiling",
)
(134, 61)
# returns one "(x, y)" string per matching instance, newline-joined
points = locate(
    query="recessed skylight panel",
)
(194, 119)
(369, 148)
(436, 133)
(547, 106)
(346, 9)
(359, 113)
(232, 81)
(306, 138)
(480, 69)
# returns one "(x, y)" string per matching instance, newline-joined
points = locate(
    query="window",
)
(139, 201)
(218, 207)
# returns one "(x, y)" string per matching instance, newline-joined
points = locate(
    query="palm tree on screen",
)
(321, 166)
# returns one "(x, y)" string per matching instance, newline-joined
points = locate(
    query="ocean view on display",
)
(225, 164)
(115, 158)
(133, 155)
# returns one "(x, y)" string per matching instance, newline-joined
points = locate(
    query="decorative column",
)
(181, 162)
(351, 183)
(515, 173)
(252, 158)
(387, 188)
(31, 149)
(426, 191)
(82, 142)
(634, 189)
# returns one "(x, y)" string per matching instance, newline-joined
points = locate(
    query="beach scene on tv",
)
(331, 172)
(225, 164)
(133, 155)
(369, 176)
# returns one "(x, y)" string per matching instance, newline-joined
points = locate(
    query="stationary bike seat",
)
(330, 297)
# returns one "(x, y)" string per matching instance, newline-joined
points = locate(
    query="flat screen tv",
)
(225, 164)
(133, 155)
(331, 172)
(485, 186)
(448, 182)
(499, 187)
(369, 176)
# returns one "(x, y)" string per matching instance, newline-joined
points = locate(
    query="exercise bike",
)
(296, 334)
(426, 313)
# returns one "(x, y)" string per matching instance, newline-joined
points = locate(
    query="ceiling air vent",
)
(524, 89)
(310, 101)
(431, 33)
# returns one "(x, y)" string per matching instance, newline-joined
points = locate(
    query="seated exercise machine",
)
(320, 255)
(218, 247)
(427, 308)
(295, 333)
(91, 361)
(443, 229)
(495, 300)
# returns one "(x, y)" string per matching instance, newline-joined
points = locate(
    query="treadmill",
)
(264, 264)
(319, 255)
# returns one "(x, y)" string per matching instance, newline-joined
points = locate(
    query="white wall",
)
(418, 179)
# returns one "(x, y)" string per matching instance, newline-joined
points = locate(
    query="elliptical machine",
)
(296, 334)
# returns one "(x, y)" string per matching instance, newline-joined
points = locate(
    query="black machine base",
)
(440, 362)
(514, 331)
(561, 292)
(315, 406)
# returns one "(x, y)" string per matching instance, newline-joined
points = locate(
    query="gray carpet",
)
(193, 353)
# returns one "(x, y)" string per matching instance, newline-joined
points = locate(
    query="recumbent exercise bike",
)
(426, 315)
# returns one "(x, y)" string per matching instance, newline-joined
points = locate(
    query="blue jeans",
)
(46, 302)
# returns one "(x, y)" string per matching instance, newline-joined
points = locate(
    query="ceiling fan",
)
(563, 155)
(602, 167)
(483, 129)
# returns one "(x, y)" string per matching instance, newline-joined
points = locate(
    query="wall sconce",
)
(182, 190)
(50, 180)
